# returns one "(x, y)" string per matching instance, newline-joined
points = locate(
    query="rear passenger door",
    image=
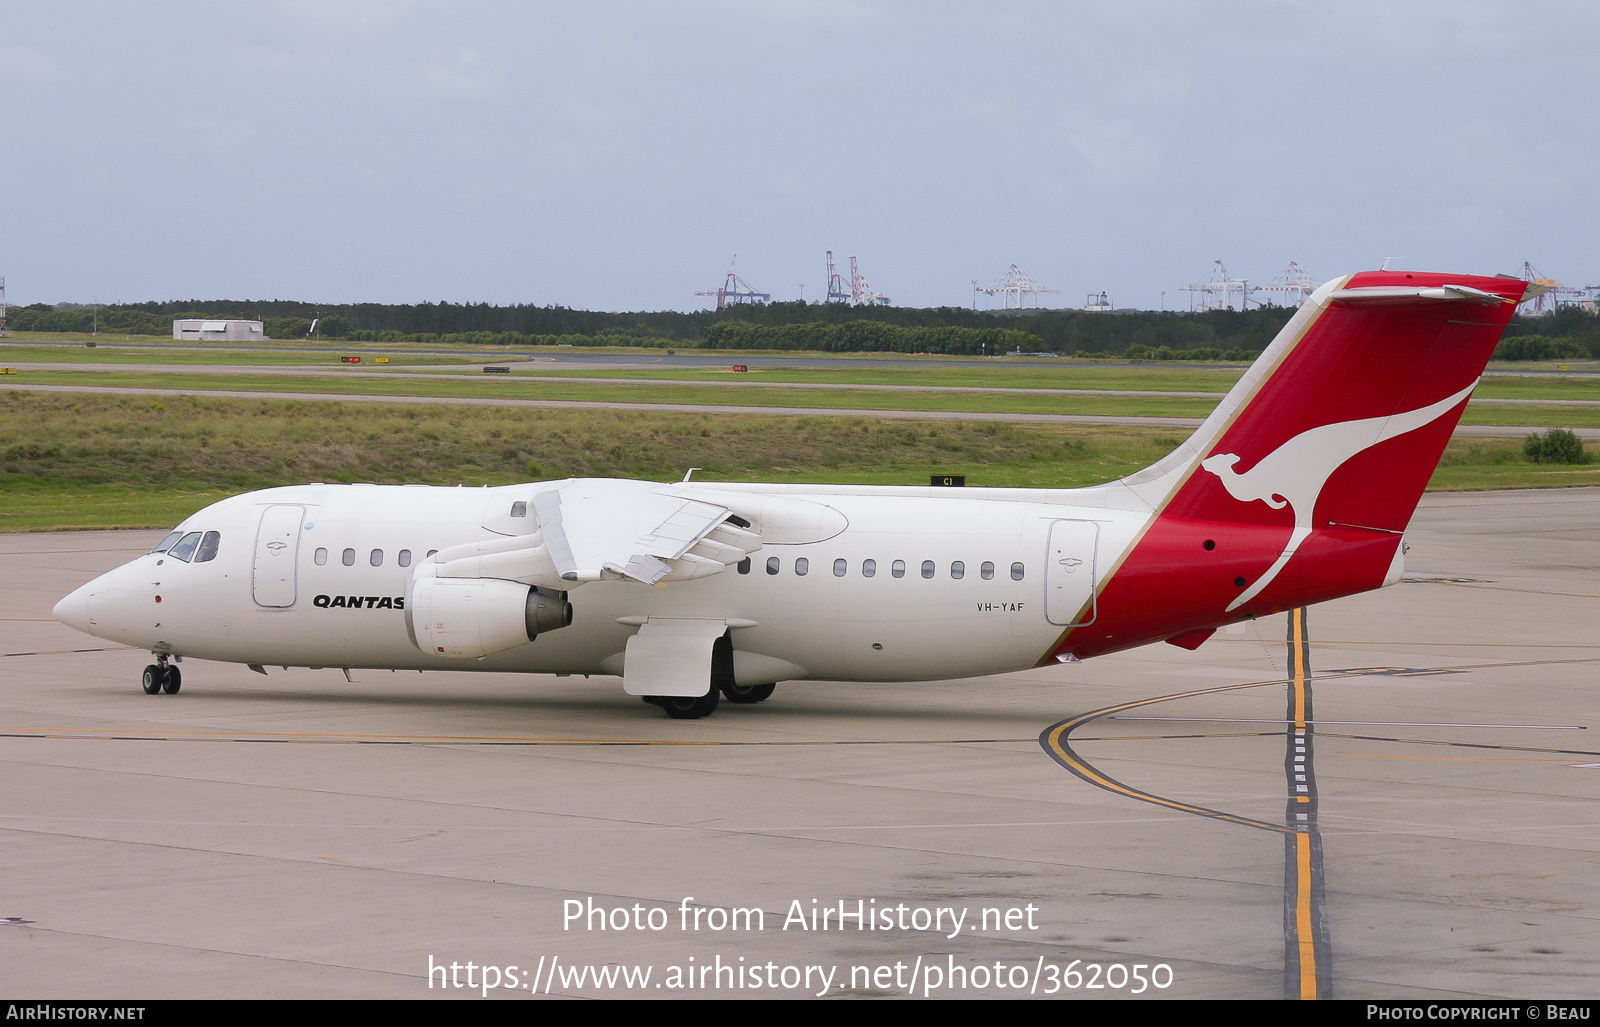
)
(1070, 573)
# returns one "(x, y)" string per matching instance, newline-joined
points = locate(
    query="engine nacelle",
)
(472, 617)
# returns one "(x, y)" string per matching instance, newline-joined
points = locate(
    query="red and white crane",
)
(838, 291)
(861, 294)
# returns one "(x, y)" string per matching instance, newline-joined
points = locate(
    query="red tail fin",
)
(1296, 488)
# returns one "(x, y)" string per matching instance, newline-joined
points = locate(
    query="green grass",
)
(936, 371)
(66, 506)
(734, 395)
(95, 461)
(101, 461)
(1474, 464)
(1510, 386)
(1533, 416)
(56, 348)
(701, 395)
(994, 374)
(189, 444)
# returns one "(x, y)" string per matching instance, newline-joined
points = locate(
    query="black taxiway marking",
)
(1306, 944)
(1055, 742)
(1307, 949)
(1306, 941)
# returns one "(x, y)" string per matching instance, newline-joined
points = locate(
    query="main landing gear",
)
(686, 707)
(746, 693)
(162, 676)
(695, 707)
(723, 686)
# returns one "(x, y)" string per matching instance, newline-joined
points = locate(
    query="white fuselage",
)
(1296, 489)
(960, 582)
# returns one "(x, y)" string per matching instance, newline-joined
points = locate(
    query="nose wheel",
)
(162, 677)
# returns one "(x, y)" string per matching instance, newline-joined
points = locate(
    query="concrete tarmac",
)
(300, 836)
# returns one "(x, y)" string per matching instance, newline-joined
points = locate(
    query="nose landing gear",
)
(161, 676)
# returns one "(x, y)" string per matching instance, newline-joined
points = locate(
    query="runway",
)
(300, 836)
(473, 372)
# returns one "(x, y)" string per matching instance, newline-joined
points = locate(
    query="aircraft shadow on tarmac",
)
(800, 702)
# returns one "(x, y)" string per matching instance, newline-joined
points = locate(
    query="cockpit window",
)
(208, 547)
(185, 547)
(166, 543)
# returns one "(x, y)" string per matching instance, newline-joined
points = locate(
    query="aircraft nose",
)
(77, 609)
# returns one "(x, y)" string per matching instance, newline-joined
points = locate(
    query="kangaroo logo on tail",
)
(1295, 473)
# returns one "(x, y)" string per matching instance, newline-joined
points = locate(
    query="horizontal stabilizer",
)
(1375, 295)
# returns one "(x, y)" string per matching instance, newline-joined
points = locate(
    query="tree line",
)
(836, 325)
(1569, 333)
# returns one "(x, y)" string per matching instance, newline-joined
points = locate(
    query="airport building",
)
(198, 330)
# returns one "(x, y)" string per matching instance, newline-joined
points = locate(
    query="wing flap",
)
(598, 528)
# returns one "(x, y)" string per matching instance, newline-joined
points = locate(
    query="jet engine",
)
(473, 617)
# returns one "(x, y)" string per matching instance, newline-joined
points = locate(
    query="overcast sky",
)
(615, 155)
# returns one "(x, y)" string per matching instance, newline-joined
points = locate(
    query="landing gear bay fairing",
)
(1295, 490)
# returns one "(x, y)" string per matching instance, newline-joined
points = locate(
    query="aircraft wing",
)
(610, 527)
(590, 529)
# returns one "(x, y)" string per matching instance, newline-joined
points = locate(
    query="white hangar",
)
(220, 330)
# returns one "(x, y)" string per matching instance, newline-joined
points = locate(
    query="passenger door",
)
(1070, 573)
(272, 575)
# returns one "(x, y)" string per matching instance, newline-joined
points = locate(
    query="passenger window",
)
(1016, 572)
(430, 553)
(404, 559)
(772, 565)
(927, 568)
(519, 509)
(869, 568)
(321, 557)
(185, 547)
(349, 557)
(744, 566)
(839, 567)
(208, 547)
(802, 566)
(166, 543)
(376, 559)
(898, 568)
(987, 570)
(958, 570)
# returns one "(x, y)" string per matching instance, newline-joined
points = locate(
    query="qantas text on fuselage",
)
(1295, 490)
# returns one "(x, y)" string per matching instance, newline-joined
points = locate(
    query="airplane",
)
(1297, 489)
